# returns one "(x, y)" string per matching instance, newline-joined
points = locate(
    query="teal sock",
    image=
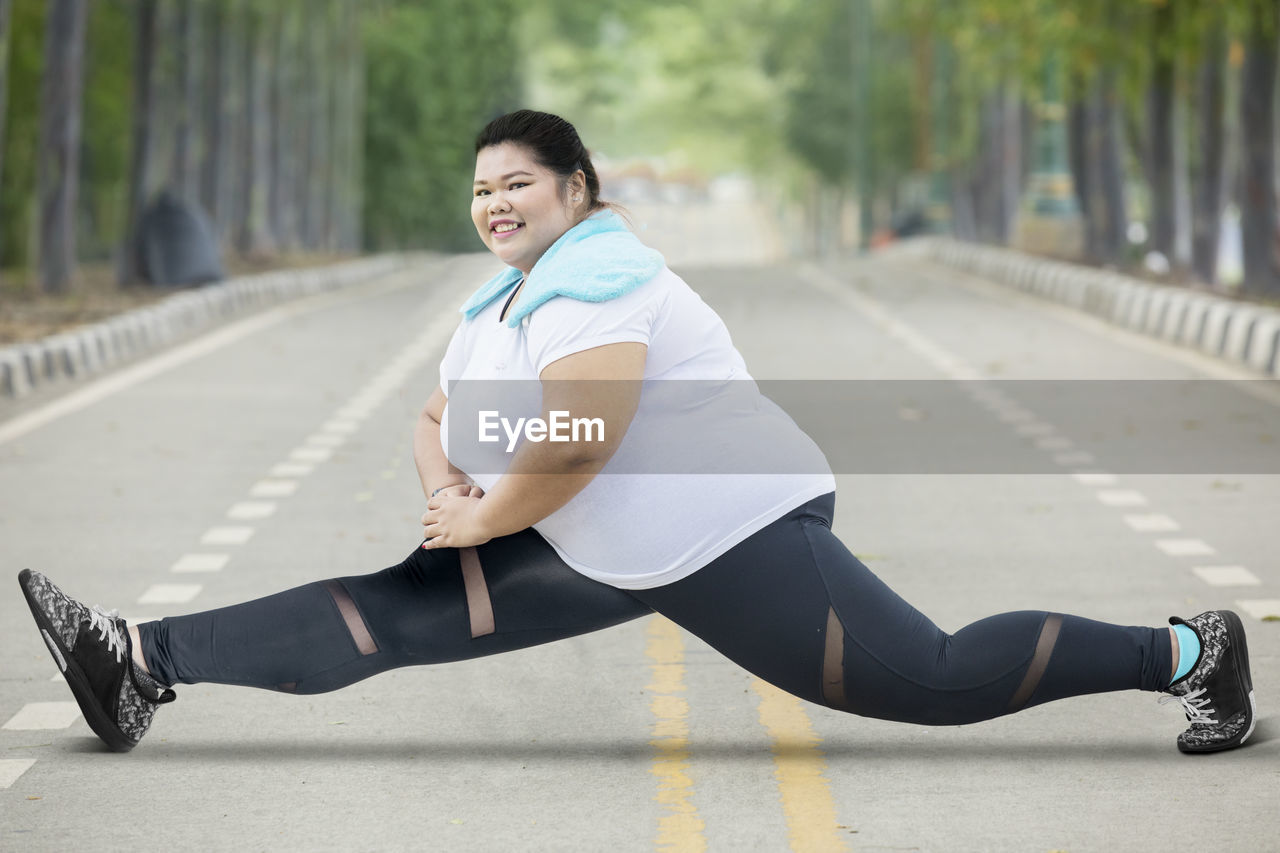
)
(1188, 650)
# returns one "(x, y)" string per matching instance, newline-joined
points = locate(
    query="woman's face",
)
(519, 208)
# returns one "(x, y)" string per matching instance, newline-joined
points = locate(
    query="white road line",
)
(251, 510)
(1261, 608)
(200, 563)
(291, 469)
(273, 488)
(340, 425)
(226, 536)
(1096, 478)
(1034, 428)
(170, 593)
(326, 439)
(310, 454)
(1152, 523)
(130, 376)
(1185, 547)
(12, 768)
(1122, 497)
(1226, 576)
(353, 413)
(44, 715)
(1055, 442)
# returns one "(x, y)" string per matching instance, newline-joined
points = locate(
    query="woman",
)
(534, 540)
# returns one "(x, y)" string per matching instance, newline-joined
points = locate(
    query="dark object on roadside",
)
(176, 244)
(908, 223)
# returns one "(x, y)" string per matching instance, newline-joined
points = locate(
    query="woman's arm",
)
(434, 470)
(543, 476)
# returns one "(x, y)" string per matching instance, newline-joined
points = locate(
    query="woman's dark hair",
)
(554, 143)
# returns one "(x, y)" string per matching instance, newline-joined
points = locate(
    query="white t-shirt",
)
(706, 462)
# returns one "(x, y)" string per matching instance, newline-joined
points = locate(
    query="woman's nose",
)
(498, 202)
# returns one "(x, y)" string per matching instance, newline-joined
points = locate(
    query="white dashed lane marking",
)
(44, 715)
(273, 488)
(291, 469)
(251, 510)
(1152, 523)
(170, 593)
(311, 454)
(1261, 608)
(1095, 478)
(200, 563)
(326, 439)
(226, 536)
(1122, 497)
(12, 768)
(1075, 458)
(1185, 547)
(1226, 576)
(344, 426)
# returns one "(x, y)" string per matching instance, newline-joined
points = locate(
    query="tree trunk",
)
(1206, 191)
(355, 210)
(213, 126)
(61, 90)
(1105, 218)
(255, 236)
(5, 6)
(277, 143)
(144, 49)
(1077, 162)
(185, 37)
(1257, 117)
(234, 121)
(1160, 133)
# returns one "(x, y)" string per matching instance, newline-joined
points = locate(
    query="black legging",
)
(790, 604)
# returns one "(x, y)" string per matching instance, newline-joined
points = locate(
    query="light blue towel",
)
(594, 261)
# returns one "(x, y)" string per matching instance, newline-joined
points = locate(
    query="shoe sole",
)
(97, 719)
(1239, 651)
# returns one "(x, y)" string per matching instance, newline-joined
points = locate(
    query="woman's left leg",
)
(792, 605)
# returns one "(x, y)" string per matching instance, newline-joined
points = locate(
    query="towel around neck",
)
(594, 261)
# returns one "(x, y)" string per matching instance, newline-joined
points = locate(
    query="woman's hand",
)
(460, 490)
(453, 520)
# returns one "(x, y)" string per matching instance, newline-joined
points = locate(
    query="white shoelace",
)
(102, 620)
(1197, 710)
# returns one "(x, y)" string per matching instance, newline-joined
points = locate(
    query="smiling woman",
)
(560, 538)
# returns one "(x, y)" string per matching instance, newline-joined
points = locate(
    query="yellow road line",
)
(679, 828)
(798, 766)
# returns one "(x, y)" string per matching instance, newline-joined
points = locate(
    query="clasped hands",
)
(452, 519)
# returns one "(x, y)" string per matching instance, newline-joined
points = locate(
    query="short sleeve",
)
(563, 326)
(455, 358)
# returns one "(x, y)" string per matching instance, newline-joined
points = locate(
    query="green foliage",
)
(435, 74)
(106, 127)
(21, 132)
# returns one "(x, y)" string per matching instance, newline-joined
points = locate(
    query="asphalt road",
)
(639, 737)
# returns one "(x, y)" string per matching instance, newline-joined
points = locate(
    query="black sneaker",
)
(92, 649)
(1217, 694)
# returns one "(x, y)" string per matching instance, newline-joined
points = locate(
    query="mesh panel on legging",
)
(765, 605)
(415, 613)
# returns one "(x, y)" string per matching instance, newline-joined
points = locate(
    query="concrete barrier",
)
(1242, 332)
(89, 350)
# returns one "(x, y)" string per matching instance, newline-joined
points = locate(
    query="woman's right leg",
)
(326, 635)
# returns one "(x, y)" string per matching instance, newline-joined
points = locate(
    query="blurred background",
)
(162, 142)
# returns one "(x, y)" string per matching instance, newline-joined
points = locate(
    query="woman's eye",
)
(517, 184)
(481, 192)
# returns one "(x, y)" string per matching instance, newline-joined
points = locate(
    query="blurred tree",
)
(184, 39)
(60, 117)
(1257, 114)
(436, 73)
(143, 109)
(5, 10)
(18, 201)
(1206, 191)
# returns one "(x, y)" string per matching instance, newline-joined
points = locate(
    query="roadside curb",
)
(88, 350)
(1240, 332)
